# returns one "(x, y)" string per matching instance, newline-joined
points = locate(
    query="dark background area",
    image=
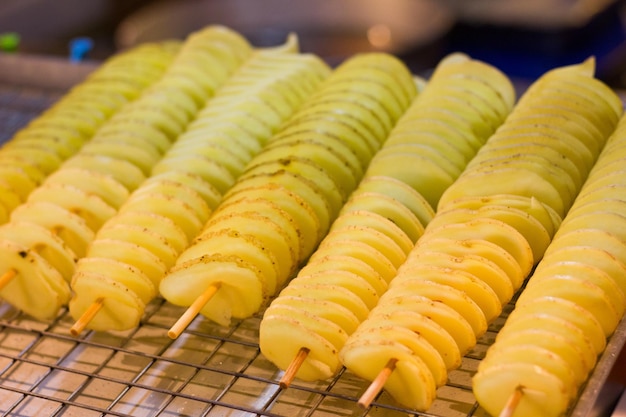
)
(523, 46)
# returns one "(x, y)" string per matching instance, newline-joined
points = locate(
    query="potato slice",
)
(431, 332)
(585, 293)
(372, 237)
(9, 199)
(178, 191)
(530, 205)
(445, 316)
(328, 292)
(247, 246)
(411, 383)
(374, 221)
(359, 250)
(141, 157)
(321, 326)
(274, 238)
(400, 191)
(418, 171)
(479, 247)
(534, 355)
(388, 207)
(37, 155)
(554, 324)
(569, 311)
(602, 220)
(37, 289)
(211, 171)
(178, 211)
(346, 135)
(526, 182)
(447, 295)
(43, 242)
(449, 160)
(561, 141)
(300, 210)
(321, 362)
(582, 270)
(582, 129)
(157, 223)
(533, 231)
(242, 289)
(349, 264)
(462, 66)
(112, 192)
(233, 162)
(325, 309)
(327, 158)
(476, 289)
(594, 256)
(206, 190)
(558, 344)
(142, 236)
(436, 133)
(18, 180)
(123, 171)
(492, 230)
(121, 308)
(352, 282)
(87, 205)
(305, 188)
(129, 253)
(332, 193)
(419, 345)
(128, 275)
(68, 226)
(479, 266)
(544, 394)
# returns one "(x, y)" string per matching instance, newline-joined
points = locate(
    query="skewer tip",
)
(7, 277)
(82, 322)
(377, 384)
(294, 366)
(192, 311)
(512, 402)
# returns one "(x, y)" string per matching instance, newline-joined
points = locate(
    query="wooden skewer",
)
(7, 277)
(87, 316)
(512, 402)
(294, 366)
(192, 311)
(377, 384)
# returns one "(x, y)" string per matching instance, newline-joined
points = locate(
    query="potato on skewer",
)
(169, 210)
(573, 300)
(114, 169)
(315, 167)
(512, 197)
(40, 148)
(387, 213)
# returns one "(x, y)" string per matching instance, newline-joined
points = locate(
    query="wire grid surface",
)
(208, 371)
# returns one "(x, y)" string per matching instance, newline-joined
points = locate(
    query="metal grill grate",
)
(208, 371)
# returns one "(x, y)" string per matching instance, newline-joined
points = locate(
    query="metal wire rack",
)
(208, 371)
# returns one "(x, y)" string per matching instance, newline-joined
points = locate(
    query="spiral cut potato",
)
(60, 217)
(279, 209)
(40, 147)
(572, 303)
(133, 250)
(492, 225)
(379, 224)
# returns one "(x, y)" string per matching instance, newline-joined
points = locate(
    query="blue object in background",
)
(526, 53)
(79, 48)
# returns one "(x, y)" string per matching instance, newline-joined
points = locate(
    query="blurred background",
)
(522, 37)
